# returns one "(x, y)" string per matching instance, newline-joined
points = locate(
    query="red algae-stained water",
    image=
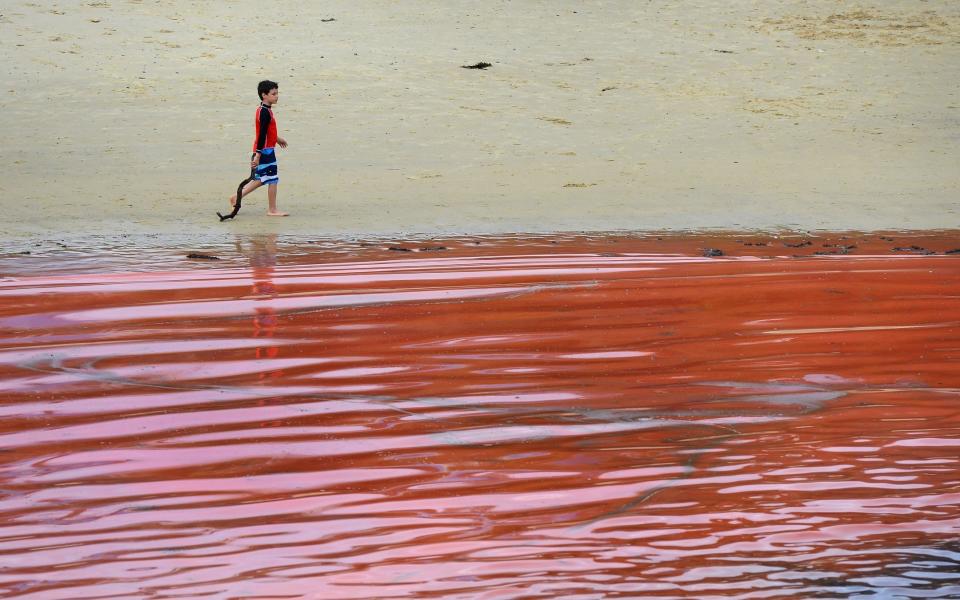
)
(493, 418)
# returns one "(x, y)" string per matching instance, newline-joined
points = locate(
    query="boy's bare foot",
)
(277, 214)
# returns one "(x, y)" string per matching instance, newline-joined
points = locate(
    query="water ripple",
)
(532, 420)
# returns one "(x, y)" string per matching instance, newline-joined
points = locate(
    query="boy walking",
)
(264, 147)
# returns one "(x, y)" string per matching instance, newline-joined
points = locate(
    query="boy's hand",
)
(281, 142)
(256, 161)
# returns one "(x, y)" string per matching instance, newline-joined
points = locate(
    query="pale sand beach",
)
(137, 117)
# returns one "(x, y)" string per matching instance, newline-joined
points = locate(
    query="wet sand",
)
(136, 117)
(565, 416)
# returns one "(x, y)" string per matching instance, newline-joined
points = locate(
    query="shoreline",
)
(133, 253)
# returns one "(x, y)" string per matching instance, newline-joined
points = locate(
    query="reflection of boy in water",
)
(264, 147)
(262, 261)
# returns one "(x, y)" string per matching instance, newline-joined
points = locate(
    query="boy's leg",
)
(246, 190)
(272, 202)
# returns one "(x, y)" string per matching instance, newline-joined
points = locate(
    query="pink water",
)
(516, 418)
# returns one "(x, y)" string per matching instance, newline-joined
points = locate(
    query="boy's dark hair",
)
(265, 86)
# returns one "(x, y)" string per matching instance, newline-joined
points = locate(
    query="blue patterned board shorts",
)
(267, 169)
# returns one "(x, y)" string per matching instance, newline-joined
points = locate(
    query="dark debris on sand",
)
(913, 249)
(479, 65)
(203, 256)
(712, 252)
(842, 249)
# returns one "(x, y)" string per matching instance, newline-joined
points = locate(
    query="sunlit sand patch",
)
(872, 26)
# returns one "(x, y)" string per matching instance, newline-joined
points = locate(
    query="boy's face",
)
(271, 97)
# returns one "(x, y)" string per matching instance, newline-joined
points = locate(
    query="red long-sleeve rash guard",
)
(266, 129)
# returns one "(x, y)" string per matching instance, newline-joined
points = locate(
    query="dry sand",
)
(123, 116)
